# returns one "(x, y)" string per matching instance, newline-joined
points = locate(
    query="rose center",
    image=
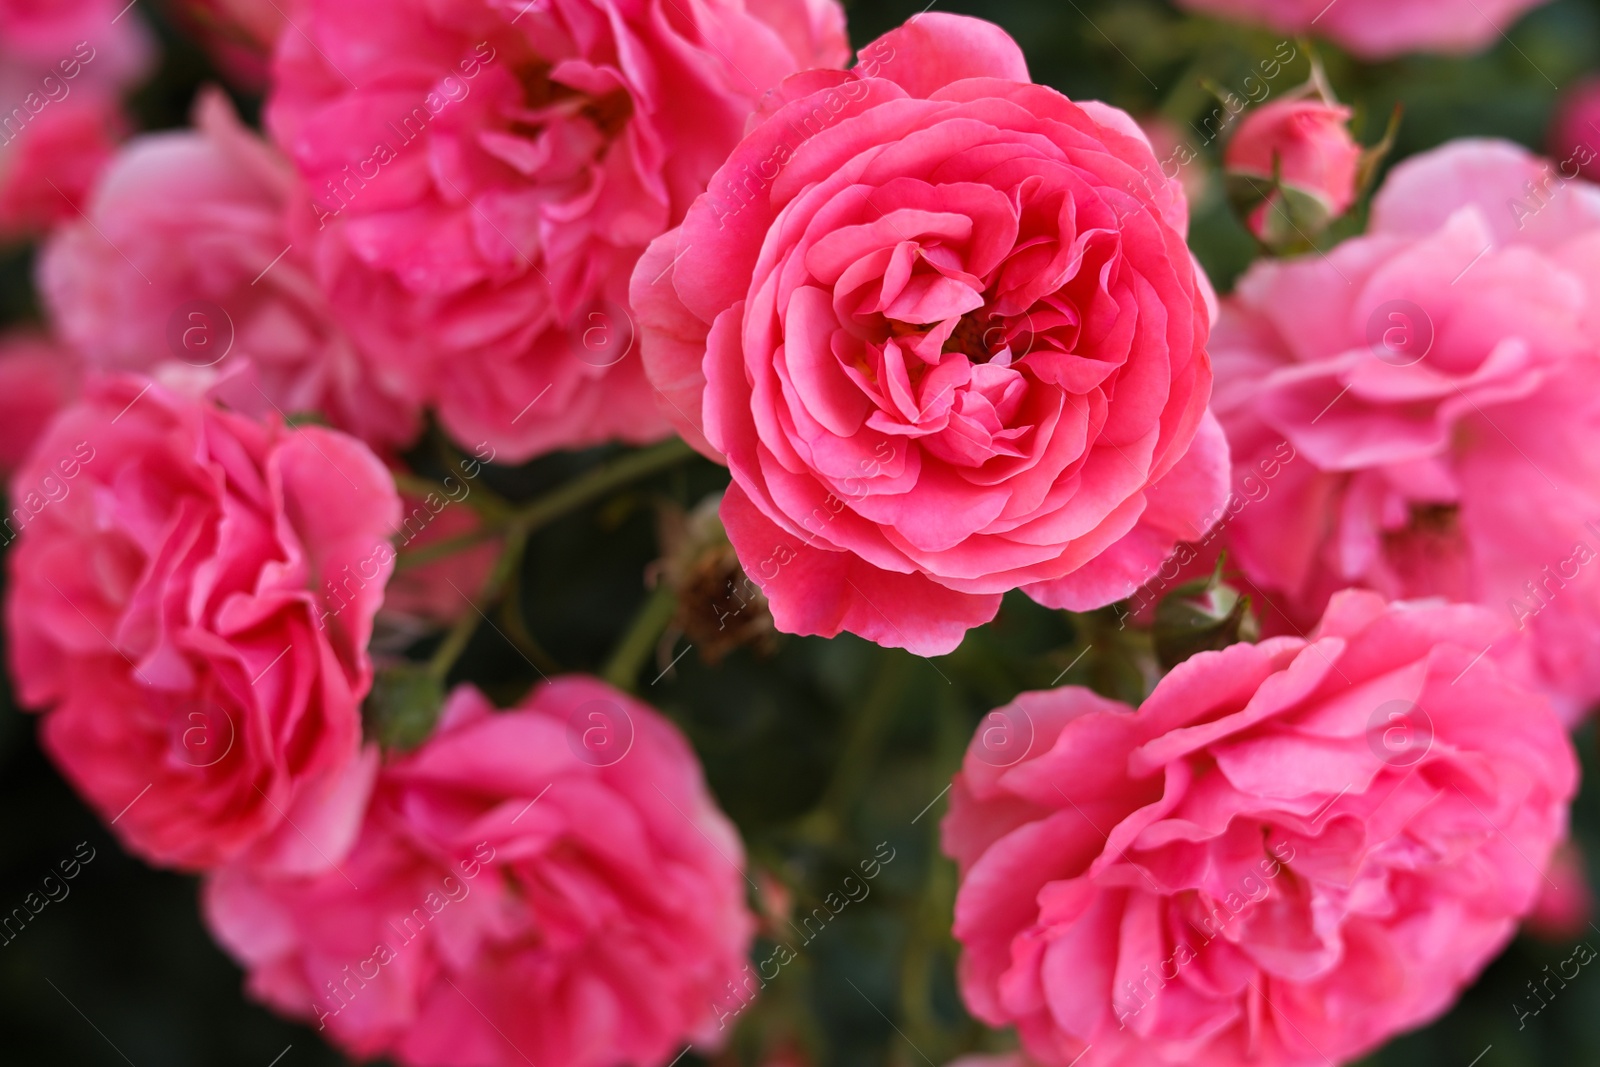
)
(608, 113)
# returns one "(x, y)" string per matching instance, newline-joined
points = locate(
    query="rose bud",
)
(1292, 169)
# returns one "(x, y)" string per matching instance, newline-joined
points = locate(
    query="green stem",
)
(524, 521)
(633, 651)
(455, 642)
(600, 481)
(422, 555)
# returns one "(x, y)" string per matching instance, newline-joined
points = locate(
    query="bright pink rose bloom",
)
(900, 316)
(1438, 383)
(551, 884)
(482, 198)
(38, 377)
(185, 257)
(1291, 852)
(173, 606)
(1379, 29)
(46, 174)
(1574, 139)
(1566, 900)
(1306, 145)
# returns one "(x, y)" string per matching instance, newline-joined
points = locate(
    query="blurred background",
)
(825, 753)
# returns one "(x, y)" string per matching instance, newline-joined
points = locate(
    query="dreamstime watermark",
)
(832, 505)
(600, 732)
(1554, 577)
(1251, 890)
(735, 192)
(338, 193)
(1399, 733)
(1541, 193)
(53, 889)
(742, 994)
(1582, 955)
(50, 490)
(1220, 118)
(1254, 487)
(412, 924)
(51, 90)
(341, 589)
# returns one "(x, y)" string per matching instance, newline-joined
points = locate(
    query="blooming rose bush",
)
(1439, 382)
(184, 256)
(1289, 853)
(481, 199)
(941, 325)
(46, 176)
(190, 601)
(551, 885)
(1379, 29)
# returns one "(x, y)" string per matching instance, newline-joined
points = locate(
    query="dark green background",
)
(819, 752)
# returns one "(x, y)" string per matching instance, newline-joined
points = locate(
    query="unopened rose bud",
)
(1202, 616)
(1293, 168)
(719, 607)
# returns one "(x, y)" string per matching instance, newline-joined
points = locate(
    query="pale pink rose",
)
(46, 174)
(185, 256)
(38, 377)
(1290, 853)
(1566, 900)
(551, 884)
(1436, 387)
(1379, 29)
(482, 198)
(1306, 146)
(190, 601)
(1574, 138)
(900, 316)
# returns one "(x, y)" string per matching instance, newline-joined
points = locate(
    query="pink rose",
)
(900, 316)
(1379, 29)
(1306, 146)
(482, 198)
(37, 378)
(1433, 392)
(551, 884)
(186, 257)
(62, 66)
(1291, 852)
(47, 173)
(191, 597)
(1574, 139)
